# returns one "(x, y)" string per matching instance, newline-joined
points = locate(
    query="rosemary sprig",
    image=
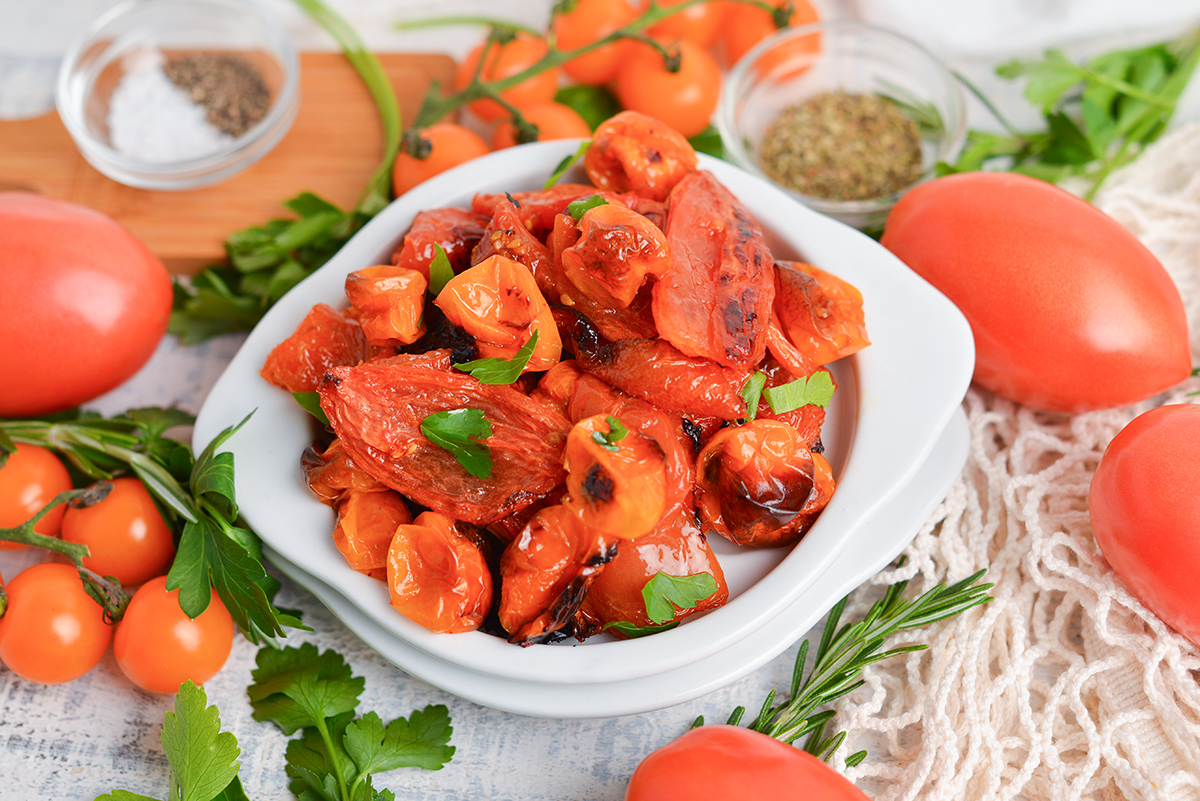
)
(844, 652)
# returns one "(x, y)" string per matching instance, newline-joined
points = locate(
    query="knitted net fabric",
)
(1064, 686)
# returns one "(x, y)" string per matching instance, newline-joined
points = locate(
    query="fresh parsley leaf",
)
(577, 208)
(501, 371)
(616, 432)
(663, 593)
(204, 759)
(311, 403)
(752, 393)
(418, 741)
(566, 164)
(440, 271)
(633, 631)
(816, 389)
(295, 687)
(459, 431)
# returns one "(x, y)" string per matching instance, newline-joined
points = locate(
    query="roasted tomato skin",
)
(821, 314)
(366, 524)
(632, 152)
(457, 231)
(390, 301)
(731, 763)
(618, 489)
(325, 338)
(1070, 312)
(616, 250)
(437, 576)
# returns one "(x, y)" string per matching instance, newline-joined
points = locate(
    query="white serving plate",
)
(878, 542)
(894, 400)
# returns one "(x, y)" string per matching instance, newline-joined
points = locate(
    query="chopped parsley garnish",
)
(501, 371)
(459, 431)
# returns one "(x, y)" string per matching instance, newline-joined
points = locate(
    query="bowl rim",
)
(898, 435)
(218, 164)
(738, 73)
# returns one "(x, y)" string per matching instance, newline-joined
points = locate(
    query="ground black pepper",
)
(228, 86)
(842, 146)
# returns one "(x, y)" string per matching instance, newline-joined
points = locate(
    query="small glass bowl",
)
(798, 63)
(139, 34)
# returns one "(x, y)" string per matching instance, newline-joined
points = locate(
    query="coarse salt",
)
(152, 119)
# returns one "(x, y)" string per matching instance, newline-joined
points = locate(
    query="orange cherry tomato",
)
(158, 647)
(390, 300)
(450, 145)
(438, 577)
(616, 477)
(125, 532)
(616, 250)
(502, 61)
(634, 152)
(700, 23)
(553, 121)
(684, 100)
(29, 479)
(588, 22)
(821, 314)
(366, 523)
(53, 631)
(743, 25)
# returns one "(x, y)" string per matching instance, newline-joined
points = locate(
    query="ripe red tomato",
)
(730, 763)
(504, 61)
(158, 647)
(52, 632)
(1145, 512)
(1069, 311)
(685, 100)
(553, 121)
(125, 533)
(83, 304)
(586, 22)
(743, 25)
(451, 145)
(29, 479)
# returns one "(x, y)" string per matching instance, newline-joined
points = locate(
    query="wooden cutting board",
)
(332, 148)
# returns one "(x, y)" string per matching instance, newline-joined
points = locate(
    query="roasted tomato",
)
(615, 251)
(366, 523)
(437, 574)
(631, 152)
(377, 409)
(456, 230)
(390, 301)
(325, 338)
(331, 473)
(758, 484)
(716, 299)
(616, 478)
(546, 571)
(821, 314)
(498, 302)
(506, 235)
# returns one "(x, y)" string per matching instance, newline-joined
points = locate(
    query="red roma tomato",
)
(450, 145)
(684, 100)
(158, 647)
(505, 61)
(1070, 312)
(730, 763)
(1145, 512)
(29, 479)
(79, 292)
(553, 121)
(125, 533)
(53, 632)
(589, 21)
(743, 25)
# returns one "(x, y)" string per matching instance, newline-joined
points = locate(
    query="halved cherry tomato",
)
(390, 301)
(53, 631)
(367, 522)
(553, 121)
(821, 314)
(437, 576)
(634, 152)
(29, 479)
(684, 99)
(125, 533)
(502, 61)
(325, 338)
(616, 250)
(587, 22)
(455, 230)
(450, 145)
(158, 647)
(616, 477)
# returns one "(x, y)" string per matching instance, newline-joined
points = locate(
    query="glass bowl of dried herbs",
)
(179, 94)
(844, 116)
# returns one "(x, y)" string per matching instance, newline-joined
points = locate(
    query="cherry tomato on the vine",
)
(125, 533)
(1145, 512)
(744, 25)
(700, 22)
(553, 121)
(502, 61)
(158, 647)
(450, 145)
(29, 480)
(684, 100)
(731, 763)
(587, 22)
(52, 631)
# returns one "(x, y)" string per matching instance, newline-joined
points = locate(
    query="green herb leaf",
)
(501, 371)
(419, 741)
(440, 271)
(594, 103)
(204, 759)
(616, 432)
(295, 687)
(311, 403)
(458, 431)
(816, 389)
(566, 164)
(708, 141)
(577, 208)
(752, 393)
(634, 631)
(664, 593)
